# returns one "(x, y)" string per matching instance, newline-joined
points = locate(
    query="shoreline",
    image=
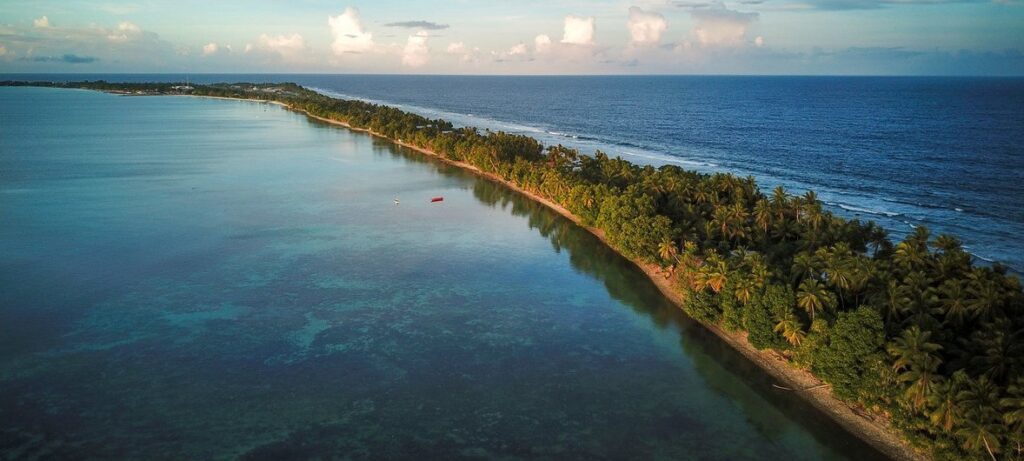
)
(876, 432)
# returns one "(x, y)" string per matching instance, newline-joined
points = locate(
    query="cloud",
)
(416, 53)
(645, 28)
(285, 45)
(125, 31)
(578, 30)
(516, 53)
(41, 23)
(210, 48)
(3, 50)
(67, 58)
(425, 25)
(720, 26)
(759, 41)
(542, 43)
(456, 48)
(465, 54)
(349, 34)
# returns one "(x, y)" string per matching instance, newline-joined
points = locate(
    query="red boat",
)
(437, 199)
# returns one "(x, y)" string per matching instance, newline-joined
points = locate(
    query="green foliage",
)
(702, 306)
(853, 344)
(759, 317)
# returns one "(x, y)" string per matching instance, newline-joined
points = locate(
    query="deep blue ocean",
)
(903, 151)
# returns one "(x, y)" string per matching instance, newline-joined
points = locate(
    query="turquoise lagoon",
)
(186, 278)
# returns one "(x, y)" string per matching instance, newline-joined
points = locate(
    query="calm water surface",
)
(184, 278)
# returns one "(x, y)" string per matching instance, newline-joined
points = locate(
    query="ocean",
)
(902, 151)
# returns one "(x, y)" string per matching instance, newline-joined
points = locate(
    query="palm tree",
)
(805, 265)
(838, 272)
(923, 378)
(715, 272)
(919, 237)
(862, 271)
(1013, 412)
(877, 237)
(759, 269)
(667, 251)
(812, 210)
(947, 243)
(790, 327)
(985, 298)
(812, 297)
(779, 200)
(916, 358)
(763, 214)
(953, 301)
(1000, 349)
(945, 409)
(911, 347)
(909, 256)
(745, 288)
(981, 423)
(897, 303)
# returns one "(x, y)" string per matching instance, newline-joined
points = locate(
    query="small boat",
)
(437, 199)
(396, 201)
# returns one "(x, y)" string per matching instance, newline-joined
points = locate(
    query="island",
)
(909, 345)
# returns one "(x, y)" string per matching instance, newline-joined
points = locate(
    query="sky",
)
(788, 37)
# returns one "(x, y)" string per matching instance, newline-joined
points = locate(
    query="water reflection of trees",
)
(724, 370)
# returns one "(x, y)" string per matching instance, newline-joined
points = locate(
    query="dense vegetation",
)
(911, 329)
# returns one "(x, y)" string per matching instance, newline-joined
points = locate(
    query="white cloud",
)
(542, 43)
(456, 48)
(416, 53)
(518, 50)
(3, 50)
(465, 54)
(759, 41)
(284, 45)
(41, 23)
(720, 26)
(210, 48)
(645, 28)
(578, 30)
(128, 27)
(125, 31)
(349, 34)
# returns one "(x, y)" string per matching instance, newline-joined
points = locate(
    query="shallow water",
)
(199, 279)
